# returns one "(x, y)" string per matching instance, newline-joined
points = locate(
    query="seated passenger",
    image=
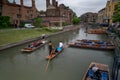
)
(96, 71)
(61, 44)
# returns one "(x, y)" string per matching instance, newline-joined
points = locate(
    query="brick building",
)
(89, 17)
(18, 12)
(56, 15)
(101, 16)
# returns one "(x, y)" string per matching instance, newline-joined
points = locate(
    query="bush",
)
(4, 22)
(38, 22)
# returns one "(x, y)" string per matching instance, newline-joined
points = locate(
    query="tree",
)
(116, 16)
(38, 22)
(76, 20)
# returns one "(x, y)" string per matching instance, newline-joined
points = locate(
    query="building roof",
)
(51, 7)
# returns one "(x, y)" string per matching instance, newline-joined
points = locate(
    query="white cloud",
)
(78, 6)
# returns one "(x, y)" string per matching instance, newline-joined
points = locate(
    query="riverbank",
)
(9, 45)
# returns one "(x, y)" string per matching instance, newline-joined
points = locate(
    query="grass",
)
(15, 35)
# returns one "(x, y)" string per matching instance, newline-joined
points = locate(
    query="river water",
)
(71, 64)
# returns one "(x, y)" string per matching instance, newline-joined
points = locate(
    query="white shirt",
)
(60, 44)
(95, 69)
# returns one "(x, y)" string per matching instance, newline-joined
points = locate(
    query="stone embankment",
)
(116, 64)
(68, 28)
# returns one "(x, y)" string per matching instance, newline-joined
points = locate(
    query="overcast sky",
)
(78, 6)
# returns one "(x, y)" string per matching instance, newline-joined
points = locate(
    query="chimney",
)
(4, 1)
(21, 2)
(14, 2)
(33, 3)
(47, 3)
(54, 2)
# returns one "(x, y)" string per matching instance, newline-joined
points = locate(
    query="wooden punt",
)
(92, 46)
(88, 40)
(96, 31)
(50, 57)
(104, 72)
(28, 49)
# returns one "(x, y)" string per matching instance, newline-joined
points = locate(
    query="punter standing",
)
(50, 47)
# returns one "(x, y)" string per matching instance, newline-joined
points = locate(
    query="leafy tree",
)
(116, 16)
(74, 14)
(76, 20)
(38, 22)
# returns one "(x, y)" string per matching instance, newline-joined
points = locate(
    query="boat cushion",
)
(59, 48)
(90, 73)
(104, 75)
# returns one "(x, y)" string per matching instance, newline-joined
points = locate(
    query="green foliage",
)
(116, 16)
(38, 22)
(76, 20)
(65, 24)
(4, 21)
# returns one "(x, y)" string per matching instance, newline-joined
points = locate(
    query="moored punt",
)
(103, 70)
(88, 40)
(30, 49)
(91, 46)
(100, 42)
(50, 57)
(96, 31)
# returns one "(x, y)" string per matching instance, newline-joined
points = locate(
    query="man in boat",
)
(50, 47)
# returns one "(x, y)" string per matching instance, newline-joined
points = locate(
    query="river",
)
(71, 64)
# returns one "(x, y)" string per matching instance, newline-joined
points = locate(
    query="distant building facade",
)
(101, 16)
(89, 17)
(56, 15)
(18, 12)
(108, 12)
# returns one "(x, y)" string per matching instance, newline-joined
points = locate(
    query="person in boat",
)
(33, 44)
(43, 36)
(39, 42)
(50, 47)
(53, 51)
(96, 71)
(60, 44)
